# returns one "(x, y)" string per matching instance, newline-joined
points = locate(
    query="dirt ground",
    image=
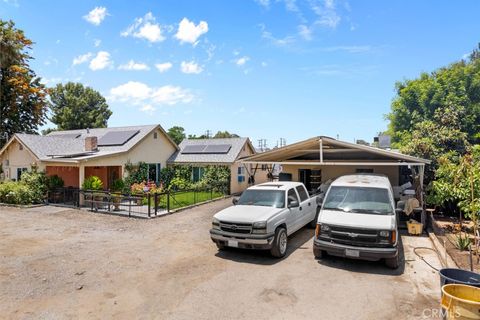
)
(67, 264)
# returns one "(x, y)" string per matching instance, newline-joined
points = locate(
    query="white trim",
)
(329, 163)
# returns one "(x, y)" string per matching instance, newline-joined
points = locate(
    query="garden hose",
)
(422, 258)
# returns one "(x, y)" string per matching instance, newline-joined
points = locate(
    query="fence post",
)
(91, 200)
(149, 197)
(168, 201)
(129, 205)
(211, 194)
(109, 199)
(195, 196)
(155, 198)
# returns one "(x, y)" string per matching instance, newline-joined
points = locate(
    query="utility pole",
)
(208, 134)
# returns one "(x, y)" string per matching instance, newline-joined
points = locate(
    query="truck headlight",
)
(215, 224)
(387, 236)
(259, 227)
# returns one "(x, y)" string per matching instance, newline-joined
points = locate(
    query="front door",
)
(311, 178)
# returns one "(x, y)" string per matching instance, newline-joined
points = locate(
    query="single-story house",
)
(199, 153)
(76, 154)
(320, 159)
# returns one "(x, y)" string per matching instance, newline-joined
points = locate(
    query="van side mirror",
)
(235, 201)
(293, 204)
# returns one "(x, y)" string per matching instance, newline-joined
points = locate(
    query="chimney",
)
(91, 143)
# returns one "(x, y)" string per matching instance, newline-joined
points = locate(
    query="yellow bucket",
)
(414, 227)
(461, 302)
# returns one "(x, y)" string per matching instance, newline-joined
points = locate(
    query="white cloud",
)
(138, 93)
(148, 108)
(145, 28)
(264, 64)
(305, 32)
(96, 16)
(135, 66)
(263, 3)
(276, 41)
(163, 67)
(242, 61)
(101, 61)
(190, 67)
(82, 58)
(327, 15)
(189, 32)
(97, 42)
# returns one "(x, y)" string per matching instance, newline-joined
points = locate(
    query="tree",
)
(452, 89)
(77, 107)
(225, 134)
(23, 99)
(177, 134)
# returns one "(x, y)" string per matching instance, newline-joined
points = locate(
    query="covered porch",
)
(318, 160)
(73, 175)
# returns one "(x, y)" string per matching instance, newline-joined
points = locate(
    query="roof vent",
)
(91, 143)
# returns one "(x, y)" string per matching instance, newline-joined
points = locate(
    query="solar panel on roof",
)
(117, 138)
(217, 148)
(198, 148)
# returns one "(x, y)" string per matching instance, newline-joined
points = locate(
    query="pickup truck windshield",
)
(265, 198)
(359, 200)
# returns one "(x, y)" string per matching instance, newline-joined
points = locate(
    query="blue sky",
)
(262, 69)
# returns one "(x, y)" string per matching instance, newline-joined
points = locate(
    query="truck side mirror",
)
(293, 204)
(235, 201)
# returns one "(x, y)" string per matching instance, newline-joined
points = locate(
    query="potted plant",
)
(117, 187)
(53, 183)
(93, 183)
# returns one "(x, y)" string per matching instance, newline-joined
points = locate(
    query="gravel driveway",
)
(68, 264)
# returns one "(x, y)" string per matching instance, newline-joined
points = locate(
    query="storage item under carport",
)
(414, 227)
(459, 276)
(460, 301)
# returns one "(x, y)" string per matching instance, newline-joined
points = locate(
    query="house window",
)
(20, 147)
(155, 135)
(197, 173)
(241, 174)
(154, 172)
(19, 173)
(363, 170)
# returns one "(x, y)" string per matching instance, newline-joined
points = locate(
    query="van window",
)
(358, 200)
(292, 195)
(302, 193)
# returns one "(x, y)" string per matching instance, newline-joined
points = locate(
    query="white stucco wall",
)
(17, 158)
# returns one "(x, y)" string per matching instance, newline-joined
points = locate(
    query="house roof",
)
(322, 150)
(69, 146)
(183, 157)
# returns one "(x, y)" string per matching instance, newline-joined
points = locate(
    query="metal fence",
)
(144, 205)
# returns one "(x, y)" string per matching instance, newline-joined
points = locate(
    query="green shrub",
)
(92, 183)
(13, 192)
(36, 183)
(54, 182)
(179, 184)
(118, 185)
(462, 243)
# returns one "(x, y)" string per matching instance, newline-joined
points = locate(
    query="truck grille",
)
(236, 227)
(352, 236)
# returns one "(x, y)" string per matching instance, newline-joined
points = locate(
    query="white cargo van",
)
(357, 220)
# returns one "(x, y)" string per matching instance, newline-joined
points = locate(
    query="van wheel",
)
(392, 263)
(279, 248)
(313, 223)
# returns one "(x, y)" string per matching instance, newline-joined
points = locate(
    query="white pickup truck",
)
(264, 216)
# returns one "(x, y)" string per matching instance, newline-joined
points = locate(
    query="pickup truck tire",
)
(319, 254)
(313, 223)
(279, 248)
(392, 263)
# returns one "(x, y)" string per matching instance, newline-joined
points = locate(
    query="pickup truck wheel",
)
(279, 248)
(319, 254)
(392, 263)
(313, 223)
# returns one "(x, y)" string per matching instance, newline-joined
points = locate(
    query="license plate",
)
(232, 243)
(352, 253)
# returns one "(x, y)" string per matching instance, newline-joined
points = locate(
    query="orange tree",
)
(23, 99)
